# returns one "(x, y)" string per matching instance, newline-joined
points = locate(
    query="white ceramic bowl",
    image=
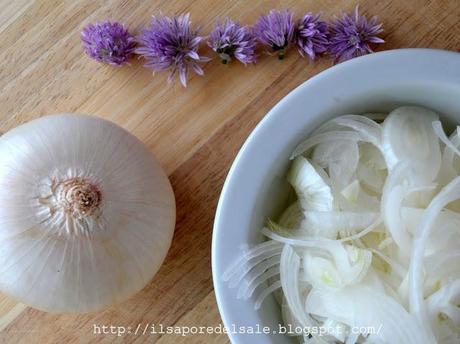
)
(255, 187)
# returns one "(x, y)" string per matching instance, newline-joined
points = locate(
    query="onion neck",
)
(70, 206)
(79, 197)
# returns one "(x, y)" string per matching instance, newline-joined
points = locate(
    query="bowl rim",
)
(383, 56)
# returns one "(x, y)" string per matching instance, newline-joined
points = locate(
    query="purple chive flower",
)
(108, 42)
(276, 30)
(231, 40)
(351, 36)
(170, 43)
(311, 35)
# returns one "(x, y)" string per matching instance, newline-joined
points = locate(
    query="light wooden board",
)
(194, 132)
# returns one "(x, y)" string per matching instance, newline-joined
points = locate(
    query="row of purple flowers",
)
(170, 43)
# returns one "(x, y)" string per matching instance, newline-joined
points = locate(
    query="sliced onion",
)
(446, 229)
(373, 226)
(288, 318)
(292, 217)
(445, 302)
(369, 130)
(321, 272)
(372, 281)
(448, 194)
(328, 152)
(316, 227)
(364, 129)
(312, 191)
(397, 268)
(448, 170)
(439, 131)
(340, 157)
(374, 232)
(329, 224)
(295, 241)
(324, 272)
(263, 263)
(419, 196)
(337, 329)
(444, 312)
(352, 338)
(248, 287)
(289, 272)
(395, 190)
(359, 306)
(354, 198)
(258, 253)
(324, 137)
(333, 247)
(371, 170)
(408, 136)
(266, 292)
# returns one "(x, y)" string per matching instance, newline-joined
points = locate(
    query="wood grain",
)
(194, 132)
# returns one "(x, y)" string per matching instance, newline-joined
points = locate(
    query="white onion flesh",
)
(373, 238)
(313, 192)
(408, 135)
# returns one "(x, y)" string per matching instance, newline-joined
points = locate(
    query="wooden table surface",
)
(194, 132)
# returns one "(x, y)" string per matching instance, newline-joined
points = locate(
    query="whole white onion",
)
(86, 214)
